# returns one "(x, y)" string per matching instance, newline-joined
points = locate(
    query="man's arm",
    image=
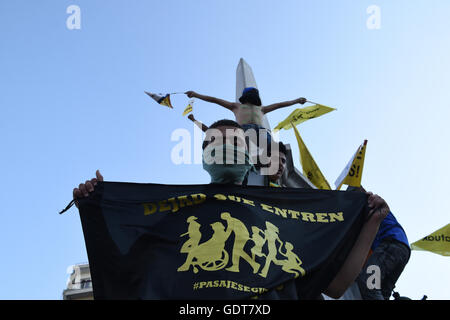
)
(197, 123)
(279, 105)
(357, 257)
(226, 104)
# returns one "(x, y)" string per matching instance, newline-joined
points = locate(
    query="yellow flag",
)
(166, 101)
(301, 115)
(189, 108)
(310, 168)
(437, 242)
(352, 173)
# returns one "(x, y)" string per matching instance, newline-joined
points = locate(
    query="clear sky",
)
(72, 101)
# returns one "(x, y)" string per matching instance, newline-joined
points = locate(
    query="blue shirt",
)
(390, 228)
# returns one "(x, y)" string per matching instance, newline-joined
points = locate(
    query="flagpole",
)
(163, 94)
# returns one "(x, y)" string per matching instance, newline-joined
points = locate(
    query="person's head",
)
(191, 219)
(225, 154)
(272, 227)
(288, 246)
(282, 151)
(217, 226)
(230, 131)
(225, 215)
(250, 95)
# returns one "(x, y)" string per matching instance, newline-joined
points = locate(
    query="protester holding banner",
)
(303, 267)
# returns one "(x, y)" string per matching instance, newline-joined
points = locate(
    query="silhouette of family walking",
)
(211, 254)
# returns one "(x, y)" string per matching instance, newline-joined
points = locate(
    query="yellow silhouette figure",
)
(271, 236)
(259, 242)
(210, 255)
(194, 234)
(293, 262)
(241, 236)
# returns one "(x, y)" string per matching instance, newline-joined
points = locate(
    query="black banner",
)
(150, 241)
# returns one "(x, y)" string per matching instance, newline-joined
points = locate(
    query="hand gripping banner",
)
(151, 241)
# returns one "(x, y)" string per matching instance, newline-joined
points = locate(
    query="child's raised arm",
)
(279, 105)
(220, 102)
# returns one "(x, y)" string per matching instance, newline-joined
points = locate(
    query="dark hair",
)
(221, 123)
(282, 148)
(225, 122)
(251, 96)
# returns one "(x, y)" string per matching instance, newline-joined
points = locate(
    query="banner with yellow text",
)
(301, 115)
(152, 241)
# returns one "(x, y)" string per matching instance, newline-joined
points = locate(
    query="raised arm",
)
(198, 123)
(279, 105)
(220, 102)
(357, 257)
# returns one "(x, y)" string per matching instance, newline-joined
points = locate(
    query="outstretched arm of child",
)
(220, 102)
(279, 105)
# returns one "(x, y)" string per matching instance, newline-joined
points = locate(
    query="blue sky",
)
(72, 102)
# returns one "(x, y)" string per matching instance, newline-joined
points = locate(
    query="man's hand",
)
(379, 209)
(191, 117)
(84, 188)
(191, 94)
(301, 100)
